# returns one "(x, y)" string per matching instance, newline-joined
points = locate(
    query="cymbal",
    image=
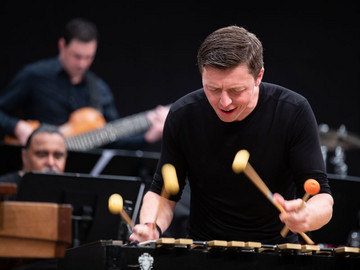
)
(333, 138)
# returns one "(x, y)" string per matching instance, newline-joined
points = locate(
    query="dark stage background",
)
(147, 50)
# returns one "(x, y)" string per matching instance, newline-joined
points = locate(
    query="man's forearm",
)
(321, 208)
(156, 207)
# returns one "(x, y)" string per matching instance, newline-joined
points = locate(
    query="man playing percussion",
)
(205, 129)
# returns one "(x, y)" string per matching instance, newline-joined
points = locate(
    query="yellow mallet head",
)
(240, 161)
(115, 204)
(171, 183)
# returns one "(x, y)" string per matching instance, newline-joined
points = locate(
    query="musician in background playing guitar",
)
(50, 90)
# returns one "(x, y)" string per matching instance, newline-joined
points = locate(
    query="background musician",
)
(51, 90)
(45, 151)
(205, 129)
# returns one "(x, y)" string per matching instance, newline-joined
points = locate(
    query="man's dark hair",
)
(229, 47)
(80, 29)
(43, 128)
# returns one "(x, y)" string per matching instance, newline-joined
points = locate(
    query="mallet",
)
(241, 164)
(116, 207)
(171, 186)
(311, 187)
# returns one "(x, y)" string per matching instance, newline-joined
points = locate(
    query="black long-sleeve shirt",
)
(282, 139)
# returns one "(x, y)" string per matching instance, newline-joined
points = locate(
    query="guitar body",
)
(83, 120)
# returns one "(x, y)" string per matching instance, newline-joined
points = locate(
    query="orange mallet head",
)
(311, 186)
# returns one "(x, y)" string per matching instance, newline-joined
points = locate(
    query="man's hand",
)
(157, 118)
(312, 215)
(297, 216)
(144, 232)
(22, 131)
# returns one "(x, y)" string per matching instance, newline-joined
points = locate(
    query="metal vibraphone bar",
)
(169, 253)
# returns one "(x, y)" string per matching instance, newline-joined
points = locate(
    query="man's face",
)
(46, 153)
(232, 93)
(77, 56)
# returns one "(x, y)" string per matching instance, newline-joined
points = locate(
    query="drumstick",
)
(311, 187)
(241, 164)
(171, 186)
(116, 207)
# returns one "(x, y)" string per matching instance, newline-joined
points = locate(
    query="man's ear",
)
(24, 158)
(259, 77)
(61, 44)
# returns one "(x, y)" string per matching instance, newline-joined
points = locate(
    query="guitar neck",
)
(111, 132)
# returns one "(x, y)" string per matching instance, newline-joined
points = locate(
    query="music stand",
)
(82, 161)
(134, 163)
(113, 162)
(88, 196)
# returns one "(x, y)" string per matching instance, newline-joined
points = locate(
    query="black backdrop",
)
(147, 50)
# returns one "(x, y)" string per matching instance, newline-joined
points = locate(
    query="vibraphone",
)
(169, 253)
